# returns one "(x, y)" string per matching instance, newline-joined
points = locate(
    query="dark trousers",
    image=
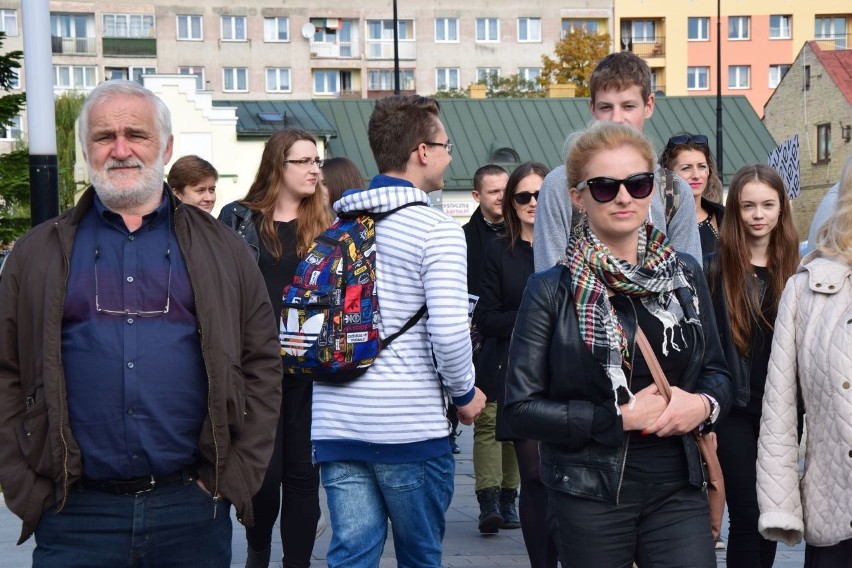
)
(532, 507)
(656, 525)
(291, 483)
(175, 525)
(836, 556)
(737, 451)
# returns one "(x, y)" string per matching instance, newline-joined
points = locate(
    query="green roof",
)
(259, 119)
(534, 129)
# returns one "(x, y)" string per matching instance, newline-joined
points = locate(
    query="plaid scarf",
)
(594, 271)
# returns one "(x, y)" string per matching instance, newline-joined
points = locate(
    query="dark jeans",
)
(659, 525)
(171, 526)
(291, 483)
(532, 507)
(837, 556)
(737, 451)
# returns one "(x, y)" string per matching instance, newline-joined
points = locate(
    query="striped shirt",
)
(396, 411)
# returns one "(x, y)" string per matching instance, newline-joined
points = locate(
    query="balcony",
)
(383, 49)
(129, 47)
(337, 50)
(646, 47)
(73, 45)
(833, 42)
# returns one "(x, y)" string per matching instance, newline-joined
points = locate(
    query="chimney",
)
(561, 91)
(477, 91)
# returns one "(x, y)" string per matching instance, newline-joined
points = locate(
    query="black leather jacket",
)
(241, 219)
(557, 393)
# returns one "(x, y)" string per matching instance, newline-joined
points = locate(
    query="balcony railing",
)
(130, 47)
(645, 46)
(73, 45)
(338, 50)
(383, 49)
(832, 42)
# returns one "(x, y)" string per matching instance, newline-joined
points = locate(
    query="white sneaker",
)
(322, 524)
(720, 544)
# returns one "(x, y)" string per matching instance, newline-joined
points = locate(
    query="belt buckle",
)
(151, 488)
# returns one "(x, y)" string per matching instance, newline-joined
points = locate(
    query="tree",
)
(14, 166)
(576, 56)
(513, 86)
(68, 107)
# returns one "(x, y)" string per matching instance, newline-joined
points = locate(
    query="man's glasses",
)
(126, 312)
(604, 189)
(697, 139)
(307, 162)
(448, 146)
(524, 197)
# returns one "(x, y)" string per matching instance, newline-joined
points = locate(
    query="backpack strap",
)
(408, 325)
(380, 215)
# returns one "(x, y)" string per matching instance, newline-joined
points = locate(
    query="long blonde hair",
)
(313, 216)
(834, 238)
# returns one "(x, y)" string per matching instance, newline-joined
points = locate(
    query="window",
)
(74, 76)
(529, 29)
(698, 29)
(738, 27)
(779, 27)
(14, 79)
(277, 80)
(136, 73)
(325, 82)
(337, 41)
(199, 76)
(446, 30)
(128, 25)
(235, 79)
(697, 78)
(446, 78)
(9, 22)
(487, 29)
(643, 31)
(233, 28)
(382, 80)
(571, 25)
(823, 143)
(487, 75)
(380, 39)
(776, 73)
(739, 76)
(530, 74)
(806, 77)
(11, 131)
(831, 27)
(189, 28)
(276, 29)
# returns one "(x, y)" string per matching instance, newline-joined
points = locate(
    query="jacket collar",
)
(826, 275)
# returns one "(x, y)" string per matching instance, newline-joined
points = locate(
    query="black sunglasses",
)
(524, 197)
(604, 189)
(698, 139)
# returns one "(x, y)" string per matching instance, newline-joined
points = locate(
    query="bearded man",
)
(140, 379)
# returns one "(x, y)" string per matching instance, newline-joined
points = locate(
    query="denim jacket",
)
(241, 219)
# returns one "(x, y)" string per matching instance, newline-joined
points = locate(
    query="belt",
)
(139, 484)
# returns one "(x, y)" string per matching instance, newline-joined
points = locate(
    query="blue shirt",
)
(136, 385)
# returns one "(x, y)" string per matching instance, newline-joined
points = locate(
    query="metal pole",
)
(719, 155)
(396, 90)
(41, 113)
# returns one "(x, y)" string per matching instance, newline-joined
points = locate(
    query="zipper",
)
(61, 385)
(629, 385)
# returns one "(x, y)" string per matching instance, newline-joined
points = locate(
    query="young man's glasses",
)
(604, 189)
(524, 197)
(307, 162)
(697, 139)
(448, 146)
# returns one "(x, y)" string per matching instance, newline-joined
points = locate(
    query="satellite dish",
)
(308, 30)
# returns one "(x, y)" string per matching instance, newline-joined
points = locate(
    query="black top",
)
(761, 342)
(478, 233)
(278, 275)
(707, 233)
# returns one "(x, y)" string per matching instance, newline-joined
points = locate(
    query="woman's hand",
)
(647, 408)
(683, 414)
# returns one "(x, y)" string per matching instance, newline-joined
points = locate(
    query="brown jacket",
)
(39, 457)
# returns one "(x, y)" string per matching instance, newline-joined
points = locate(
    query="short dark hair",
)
(618, 72)
(486, 170)
(190, 170)
(399, 124)
(339, 175)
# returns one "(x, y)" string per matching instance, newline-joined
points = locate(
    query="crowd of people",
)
(142, 392)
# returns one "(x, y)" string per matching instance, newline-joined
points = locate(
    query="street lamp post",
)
(719, 155)
(396, 90)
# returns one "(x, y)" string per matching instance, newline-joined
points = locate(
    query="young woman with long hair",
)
(759, 251)
(338, 175)
(622, 468)
(279, 218)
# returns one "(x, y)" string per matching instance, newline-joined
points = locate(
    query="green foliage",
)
(14, 166)
(513, 86)
(68, 107)
(575, 57)
(451, 94)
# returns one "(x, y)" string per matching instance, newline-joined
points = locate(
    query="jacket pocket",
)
(236, 403)
(32, 435)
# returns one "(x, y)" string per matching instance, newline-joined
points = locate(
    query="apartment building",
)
(760, 39)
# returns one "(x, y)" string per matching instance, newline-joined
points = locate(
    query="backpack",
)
(329, 328)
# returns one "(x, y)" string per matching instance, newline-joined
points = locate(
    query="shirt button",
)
(130, 411)
(134, 456)
(130, 365)
(130, 238)
(130, 321)
(130, 279)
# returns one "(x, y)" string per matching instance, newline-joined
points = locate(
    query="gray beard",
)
(120, 199)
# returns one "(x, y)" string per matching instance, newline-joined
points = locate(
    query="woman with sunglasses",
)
(688, 155)
(759, 251)
(279, 218)
(506, 265)
(622, 468)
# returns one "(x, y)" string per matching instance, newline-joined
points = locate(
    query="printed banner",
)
(785, 160)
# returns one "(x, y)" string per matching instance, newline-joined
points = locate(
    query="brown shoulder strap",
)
(653, 364)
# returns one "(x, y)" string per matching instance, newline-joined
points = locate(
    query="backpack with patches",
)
(329, 328)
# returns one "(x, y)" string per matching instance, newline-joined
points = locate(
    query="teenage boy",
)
(621, 93)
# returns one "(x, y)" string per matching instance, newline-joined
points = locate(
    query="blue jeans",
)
(172, 525)
(363, 496)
